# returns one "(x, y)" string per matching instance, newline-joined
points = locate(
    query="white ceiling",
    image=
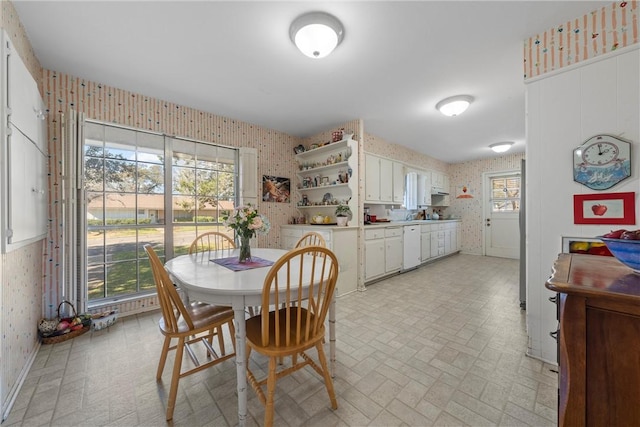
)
(235, 59)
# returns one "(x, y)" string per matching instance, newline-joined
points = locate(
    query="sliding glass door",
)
(140, 188)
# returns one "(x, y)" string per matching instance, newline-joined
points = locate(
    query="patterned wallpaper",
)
(104, 103)
(20, 270)
(10, 22)
(469, 174)
(379, 146)
(597, 33)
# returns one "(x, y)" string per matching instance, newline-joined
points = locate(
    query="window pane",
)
(145, 279)
(120, 209)
(153, 237)
(183, 208)
(184, 180)
(150, 208)
(95, 247)
(120, 176)
(182, 238)
(122, 278)
(150, 178)
(505, 193)
(95, 209)
(94, 177)
(120, 244)
(95, 281)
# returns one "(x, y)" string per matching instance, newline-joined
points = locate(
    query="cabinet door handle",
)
(554, 299)
(554, 335)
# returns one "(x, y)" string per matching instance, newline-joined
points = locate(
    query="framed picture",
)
(605, 208)
(275, 189)
(324, 180)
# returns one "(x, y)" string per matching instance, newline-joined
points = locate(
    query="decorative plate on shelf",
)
(327, 197)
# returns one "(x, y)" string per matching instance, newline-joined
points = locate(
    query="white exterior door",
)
(501, 212)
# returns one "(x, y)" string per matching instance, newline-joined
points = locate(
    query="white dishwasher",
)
(411, 247)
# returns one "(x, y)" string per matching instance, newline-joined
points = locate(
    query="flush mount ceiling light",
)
(501, 147)
(316, 34)
(454, 105)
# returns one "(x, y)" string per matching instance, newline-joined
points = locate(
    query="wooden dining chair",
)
(189, 324)
(311, 238)
(292, 320)
(211, 241)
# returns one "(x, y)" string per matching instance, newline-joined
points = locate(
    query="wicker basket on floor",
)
(61, 336)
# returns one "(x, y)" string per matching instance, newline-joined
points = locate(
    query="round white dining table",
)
(206, 281)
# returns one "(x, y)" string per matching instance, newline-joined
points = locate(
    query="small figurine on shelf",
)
(337, 135)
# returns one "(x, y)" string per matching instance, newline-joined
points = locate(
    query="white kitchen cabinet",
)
(398, 183)
(386, 180)
(425, 242)
(378, 179)
(437, 240)
(437, 179)
(23, 154)
(343, 241)
(393, 249)
(372, 178)
(374, 248)
(447, 241)
(424, 189)
(328, 176)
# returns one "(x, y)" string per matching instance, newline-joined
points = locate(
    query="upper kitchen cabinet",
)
(424, 189)
(328, 176)
(437, 180)
(398, 183)
(440, 189)
(23, 154)
(384, 180)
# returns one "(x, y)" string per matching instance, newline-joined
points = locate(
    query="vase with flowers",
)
(247, 222)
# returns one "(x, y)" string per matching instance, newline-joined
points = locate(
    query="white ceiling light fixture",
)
(316, 34)
(455, 105)
(501, 147)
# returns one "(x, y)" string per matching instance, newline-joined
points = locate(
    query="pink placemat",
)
(233, 264)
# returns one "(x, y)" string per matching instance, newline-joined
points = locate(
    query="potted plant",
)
(343, 212)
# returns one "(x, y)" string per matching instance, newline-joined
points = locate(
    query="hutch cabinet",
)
(599, 340)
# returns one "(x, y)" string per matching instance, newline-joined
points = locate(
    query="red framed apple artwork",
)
(604, 208)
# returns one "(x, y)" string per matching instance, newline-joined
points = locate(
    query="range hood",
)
(437, 191)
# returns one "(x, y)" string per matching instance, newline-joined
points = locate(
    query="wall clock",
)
(602, 161)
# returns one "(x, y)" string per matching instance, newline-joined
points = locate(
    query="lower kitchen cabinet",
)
(383, 246)
(437, 240)
(374, 248)
(343, 241)
(393, 249)
(599, 341)
(425, 242)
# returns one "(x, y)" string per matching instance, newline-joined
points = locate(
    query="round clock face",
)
(600, 153)
(602, 161)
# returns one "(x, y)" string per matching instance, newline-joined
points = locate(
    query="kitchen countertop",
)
(376, 224)
(412, 222)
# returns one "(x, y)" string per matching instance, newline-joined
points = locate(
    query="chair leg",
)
(220, 339)
(271, 391)
(328, 382)
(175, 378)
(163, 357)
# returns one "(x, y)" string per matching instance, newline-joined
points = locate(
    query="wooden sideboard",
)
(599, 341)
